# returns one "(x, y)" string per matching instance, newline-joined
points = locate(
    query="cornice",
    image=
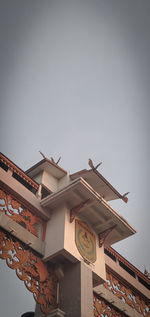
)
(13, 167)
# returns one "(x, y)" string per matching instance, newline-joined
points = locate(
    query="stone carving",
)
(127, 295)
(17, 212)
(102, 308)
(37, 277)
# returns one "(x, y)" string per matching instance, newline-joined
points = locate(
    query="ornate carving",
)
(37, 277)
(75, 210)
(127, 295)
(103, 308)
(17, 212)
(103, 235)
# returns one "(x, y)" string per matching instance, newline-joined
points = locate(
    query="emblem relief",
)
(85, 241)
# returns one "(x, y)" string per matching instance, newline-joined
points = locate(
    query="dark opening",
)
(144, 282)
(45, 192)
(3, 166)
(23, 182)
(126, 268)
(110, 255)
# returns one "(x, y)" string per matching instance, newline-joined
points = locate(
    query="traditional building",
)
(57, 231)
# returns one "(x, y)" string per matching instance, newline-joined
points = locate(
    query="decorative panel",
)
(104, 309)
(37, 276)
(19, 213)
(127, 295)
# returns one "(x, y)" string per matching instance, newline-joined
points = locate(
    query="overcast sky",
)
(75, 82)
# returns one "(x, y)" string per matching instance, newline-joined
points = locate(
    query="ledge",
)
(115, 301)
(22, 234)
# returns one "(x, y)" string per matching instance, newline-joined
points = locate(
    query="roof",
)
(47, 165)
(98, 213)
(99, 183)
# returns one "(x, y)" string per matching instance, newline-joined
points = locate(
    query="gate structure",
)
(56, 232)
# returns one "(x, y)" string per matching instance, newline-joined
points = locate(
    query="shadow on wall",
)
(28, 314)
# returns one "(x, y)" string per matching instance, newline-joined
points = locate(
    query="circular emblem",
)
(85, 241)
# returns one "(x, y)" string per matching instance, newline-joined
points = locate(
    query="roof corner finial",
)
(146, 273)
(58, 160)
(124, 197)
(52, 159)
(90, 162)
(42, 155)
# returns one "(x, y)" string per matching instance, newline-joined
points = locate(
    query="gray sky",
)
(75, 82)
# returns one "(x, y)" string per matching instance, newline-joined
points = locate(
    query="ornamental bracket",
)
(103, 235)
(75, 210)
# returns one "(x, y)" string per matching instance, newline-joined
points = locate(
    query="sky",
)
(75, 83)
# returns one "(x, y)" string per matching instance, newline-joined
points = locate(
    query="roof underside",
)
(98, 214)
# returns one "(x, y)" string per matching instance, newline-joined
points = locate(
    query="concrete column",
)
(56, 313)
(76, 291)
(38, 312)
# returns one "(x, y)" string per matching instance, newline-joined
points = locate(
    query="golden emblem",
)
(85, 241)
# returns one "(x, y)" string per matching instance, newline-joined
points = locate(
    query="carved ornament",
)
(17, 212)
(127, 295)
(37, 277)
(103, 308)
(103, 235)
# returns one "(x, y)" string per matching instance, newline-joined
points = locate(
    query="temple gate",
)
(56, 230)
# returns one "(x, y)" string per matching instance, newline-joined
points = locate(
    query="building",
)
(61, 229)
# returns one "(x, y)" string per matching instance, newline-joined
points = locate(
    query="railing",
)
(127, 295)
(14, 209)
(102, 308)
